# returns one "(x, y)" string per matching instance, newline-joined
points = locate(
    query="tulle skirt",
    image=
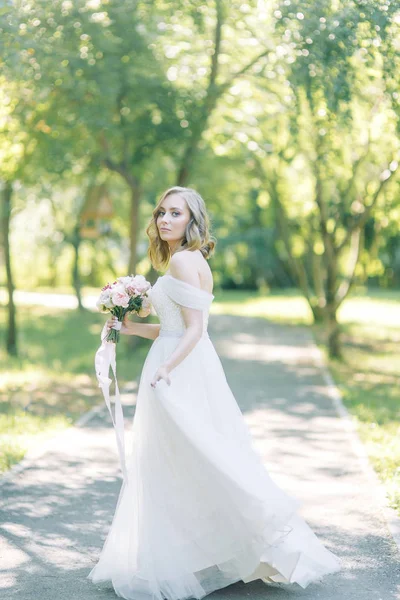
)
(199, 510)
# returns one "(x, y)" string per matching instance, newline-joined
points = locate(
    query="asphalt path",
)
(56, 507)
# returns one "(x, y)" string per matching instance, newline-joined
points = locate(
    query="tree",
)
(343, 120)
(103, 96)
(16, 152)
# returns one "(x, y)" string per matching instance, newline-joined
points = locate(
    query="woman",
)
(198, 510)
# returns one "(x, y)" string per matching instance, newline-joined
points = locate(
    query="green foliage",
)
(92, 87)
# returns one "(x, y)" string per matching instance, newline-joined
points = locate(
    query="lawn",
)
(369, 380)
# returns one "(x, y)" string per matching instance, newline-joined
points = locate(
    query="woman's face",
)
(173, 216)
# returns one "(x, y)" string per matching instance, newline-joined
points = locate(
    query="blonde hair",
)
(197, 235)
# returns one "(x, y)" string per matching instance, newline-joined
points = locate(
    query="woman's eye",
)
(161, 212)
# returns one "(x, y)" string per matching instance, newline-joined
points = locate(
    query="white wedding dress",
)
(199, 510)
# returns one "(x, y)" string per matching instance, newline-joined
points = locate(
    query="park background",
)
(284, 115)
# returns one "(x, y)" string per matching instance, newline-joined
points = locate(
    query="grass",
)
(282, 307)
(369, 380)
(52, 382)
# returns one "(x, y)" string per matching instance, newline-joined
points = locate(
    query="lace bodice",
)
(169, 294)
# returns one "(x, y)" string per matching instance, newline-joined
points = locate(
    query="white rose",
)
(104, 302)
(140, 283)
(125, 280)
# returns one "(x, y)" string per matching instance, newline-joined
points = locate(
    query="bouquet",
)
(125, 295)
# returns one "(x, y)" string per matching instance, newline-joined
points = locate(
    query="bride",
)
(198, 510)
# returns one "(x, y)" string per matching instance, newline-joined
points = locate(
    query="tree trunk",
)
(333, 332)
(97, 274)
(317, 312)
(189, 154)
(52, 266)
(76, 279)
(134, 225)
(11, 339)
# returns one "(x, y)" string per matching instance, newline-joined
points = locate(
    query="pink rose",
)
(132, 291)
(120, 299)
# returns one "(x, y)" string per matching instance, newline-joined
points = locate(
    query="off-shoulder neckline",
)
(189, 285)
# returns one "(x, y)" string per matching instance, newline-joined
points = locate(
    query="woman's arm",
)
(181, 268)
(193, 332)
(145, 330)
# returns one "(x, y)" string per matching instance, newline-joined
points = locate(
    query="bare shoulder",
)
(193, 268)
(183, 259)
(183, 265)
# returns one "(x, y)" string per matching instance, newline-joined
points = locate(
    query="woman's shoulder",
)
(182, 257)
(188, 258)
(192, 267)
(182, 265)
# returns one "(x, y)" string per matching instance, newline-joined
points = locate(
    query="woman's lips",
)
(164, 229)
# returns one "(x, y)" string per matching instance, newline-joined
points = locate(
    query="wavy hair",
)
(197, 234)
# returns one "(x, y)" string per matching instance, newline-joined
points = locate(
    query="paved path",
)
(55, 512)
(27, 298)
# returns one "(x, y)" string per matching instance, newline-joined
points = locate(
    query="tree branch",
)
(346, 284)
(125, 140)
(120, 168)
(356, 165)
(227, 84)
(360, 220)
(323, 217)
(296, 266)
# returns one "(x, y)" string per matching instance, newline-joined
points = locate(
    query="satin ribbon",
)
(104, 359)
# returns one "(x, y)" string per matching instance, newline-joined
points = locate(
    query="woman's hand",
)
(161, 373)
(125, 327)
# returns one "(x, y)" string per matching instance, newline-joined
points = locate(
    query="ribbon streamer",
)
(104, 359)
